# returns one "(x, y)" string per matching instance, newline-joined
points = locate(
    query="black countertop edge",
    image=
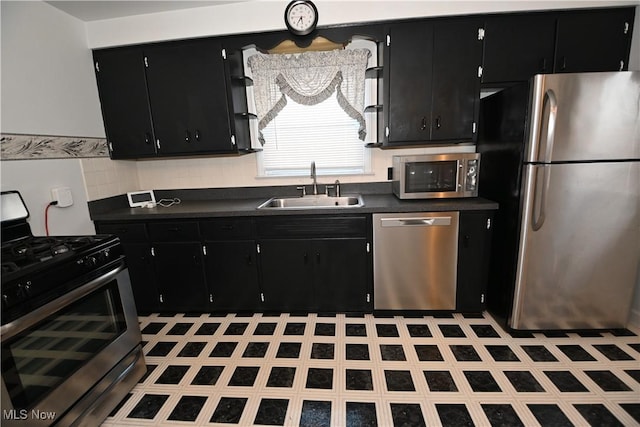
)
(247, 207)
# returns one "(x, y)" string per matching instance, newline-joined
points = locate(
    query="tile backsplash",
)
(104, 177)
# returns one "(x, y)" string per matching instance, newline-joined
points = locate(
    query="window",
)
(323, 133)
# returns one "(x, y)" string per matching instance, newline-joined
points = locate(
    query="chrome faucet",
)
(337, 186)
(313, 176)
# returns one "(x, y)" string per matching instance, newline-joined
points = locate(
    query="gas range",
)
(70, 335)
(38, 269)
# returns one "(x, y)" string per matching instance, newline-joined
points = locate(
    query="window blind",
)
(323, 133)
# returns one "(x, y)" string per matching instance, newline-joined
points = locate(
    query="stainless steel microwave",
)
(432, 176)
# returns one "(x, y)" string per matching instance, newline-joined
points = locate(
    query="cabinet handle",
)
(318, 257)
(438, 122)
(563, 65)
(465, 243)
(147, 138)
(423, 126)
(187, 137)
(176, 229)
(305, 257)
(249, 259)
(196, 135)
(543, 64)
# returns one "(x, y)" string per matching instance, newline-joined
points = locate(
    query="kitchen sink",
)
(313, 202)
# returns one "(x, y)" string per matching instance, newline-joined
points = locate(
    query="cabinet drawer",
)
(312, 226)
(173, 231)
(227, 228)
(127, 232)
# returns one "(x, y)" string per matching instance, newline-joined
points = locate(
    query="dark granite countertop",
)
(210, 203)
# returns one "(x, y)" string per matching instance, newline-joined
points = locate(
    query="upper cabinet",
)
(432, 70)
(166, 99)
(122, 86)
(518, 46)
(594, 40)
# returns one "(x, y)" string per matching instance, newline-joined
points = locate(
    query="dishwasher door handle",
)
(417, 221)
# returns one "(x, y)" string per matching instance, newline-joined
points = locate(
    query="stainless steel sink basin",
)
(313, 202)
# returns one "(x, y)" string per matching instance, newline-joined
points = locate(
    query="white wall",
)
(267, 15)
(48, 88)
(46, 71)
(34, 179)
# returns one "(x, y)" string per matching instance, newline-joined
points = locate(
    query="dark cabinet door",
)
(340, 275)
(408, 103)
(143, 279)
(286, 274)
(474, 244)
(434, 85)
(123, 98)
(517, 47)
(187, 93)
(595, 40)
(180, 276)
(457, 54)
(232, 275)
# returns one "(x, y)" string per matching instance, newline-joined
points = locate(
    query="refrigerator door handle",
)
(540, 191)
(551, 101)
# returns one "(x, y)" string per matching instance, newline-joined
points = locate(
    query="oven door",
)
(52, 356)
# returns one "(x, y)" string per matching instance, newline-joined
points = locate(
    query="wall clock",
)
(301, 17)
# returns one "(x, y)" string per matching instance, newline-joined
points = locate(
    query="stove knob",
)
(27, 288)
(90, 261)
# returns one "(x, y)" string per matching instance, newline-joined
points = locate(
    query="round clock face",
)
(301, 17)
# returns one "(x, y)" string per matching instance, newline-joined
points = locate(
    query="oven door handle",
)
(12, 328)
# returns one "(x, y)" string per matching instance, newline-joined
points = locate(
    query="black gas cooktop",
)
(36, 270)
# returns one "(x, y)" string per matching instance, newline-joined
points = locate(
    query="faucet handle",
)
(304, 190)
(337, 185)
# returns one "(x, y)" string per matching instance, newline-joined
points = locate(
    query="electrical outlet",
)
(63, 196)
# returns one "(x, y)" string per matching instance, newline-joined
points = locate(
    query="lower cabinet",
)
(231, 269)
(316, 263)
(143, 277)
(137, 250)
(180, 276)
(315, 274)
(283, 263)
(474, 244)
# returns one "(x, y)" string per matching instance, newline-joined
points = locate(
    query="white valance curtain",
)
(309, 78)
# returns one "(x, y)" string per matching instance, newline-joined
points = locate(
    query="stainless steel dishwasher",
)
(415, 261)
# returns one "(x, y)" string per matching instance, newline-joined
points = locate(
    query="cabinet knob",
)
(196, 135)
(423, 126)
(438, 122)
(187, 137)
(147, 138)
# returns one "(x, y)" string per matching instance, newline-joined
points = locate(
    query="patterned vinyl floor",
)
(343, 370)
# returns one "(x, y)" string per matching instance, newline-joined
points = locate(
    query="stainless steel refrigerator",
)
(561, 155)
